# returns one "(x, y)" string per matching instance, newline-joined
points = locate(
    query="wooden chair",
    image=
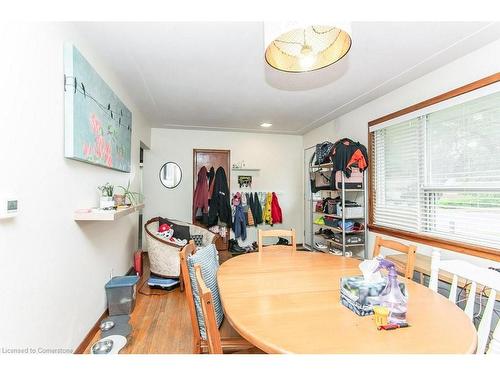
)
(207, 305)
(231, 341)
(277, 233)
(475, 275)
(409, 250)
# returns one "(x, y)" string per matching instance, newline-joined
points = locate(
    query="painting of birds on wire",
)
(98, 126)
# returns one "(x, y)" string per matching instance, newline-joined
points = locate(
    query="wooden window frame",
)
(457, 246)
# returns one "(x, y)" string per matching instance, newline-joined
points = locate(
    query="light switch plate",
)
(8, 208)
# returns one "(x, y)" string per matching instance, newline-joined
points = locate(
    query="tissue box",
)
(360, 296)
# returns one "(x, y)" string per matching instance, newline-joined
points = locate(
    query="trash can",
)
(120, 293)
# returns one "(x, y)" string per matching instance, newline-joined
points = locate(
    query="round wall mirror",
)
(170, 175)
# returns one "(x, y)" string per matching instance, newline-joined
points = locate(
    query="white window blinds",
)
(396, 170)
(439, 173)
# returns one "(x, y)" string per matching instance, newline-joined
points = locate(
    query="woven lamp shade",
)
(307, 48)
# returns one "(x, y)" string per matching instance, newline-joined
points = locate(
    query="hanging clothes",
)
(323, 151)
(236, 200)
(211, 178)
(266, 215)
(220, 206)
(262, 199)
(250, 210)
(276, 214)
(200, 197)
(250, 219)
(345, 154)
(257, 216)
(239, 223)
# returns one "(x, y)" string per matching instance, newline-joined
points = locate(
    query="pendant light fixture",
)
(298, 47)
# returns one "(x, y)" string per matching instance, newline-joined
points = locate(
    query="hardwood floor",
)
(160, 320)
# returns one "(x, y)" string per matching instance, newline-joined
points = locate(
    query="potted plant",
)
(133, 197)
(106, 199)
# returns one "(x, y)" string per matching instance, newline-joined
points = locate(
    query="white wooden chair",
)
(276, 233)
(476, 276)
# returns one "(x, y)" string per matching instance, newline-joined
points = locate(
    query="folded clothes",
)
(349, 225)
(358, 226)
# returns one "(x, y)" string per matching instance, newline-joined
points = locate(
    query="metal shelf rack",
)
(343, 193)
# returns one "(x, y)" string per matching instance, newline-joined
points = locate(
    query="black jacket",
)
(258, 209)
(255, 207)
(220, 207)
(341, 155)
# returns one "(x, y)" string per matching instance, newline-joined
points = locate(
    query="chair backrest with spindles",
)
(277, 233)
(409, 250)
(186, 251)
(475, 276)
(207, 306)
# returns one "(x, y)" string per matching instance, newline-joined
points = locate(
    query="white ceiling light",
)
(266, 125)
(302, 47)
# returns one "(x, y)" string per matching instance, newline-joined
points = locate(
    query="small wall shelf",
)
(246, 169)
(106, 215)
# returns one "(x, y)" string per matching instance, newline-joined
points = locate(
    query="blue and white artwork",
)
(98, 126)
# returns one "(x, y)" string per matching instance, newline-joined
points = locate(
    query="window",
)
(436, 171)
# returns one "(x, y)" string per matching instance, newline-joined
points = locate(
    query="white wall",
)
(476, 65)
(278, 156)
(54, 269)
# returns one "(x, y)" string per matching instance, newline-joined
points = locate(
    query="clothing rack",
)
(256, 191)
(342, 193)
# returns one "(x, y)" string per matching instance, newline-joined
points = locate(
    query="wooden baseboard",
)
(90, 335)
(95, 328)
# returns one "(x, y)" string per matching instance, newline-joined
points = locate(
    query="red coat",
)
(276, 210)
(200, 198)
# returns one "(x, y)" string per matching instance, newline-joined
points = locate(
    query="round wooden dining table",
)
(286, 301)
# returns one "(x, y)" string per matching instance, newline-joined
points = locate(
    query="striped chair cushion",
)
(208, 259)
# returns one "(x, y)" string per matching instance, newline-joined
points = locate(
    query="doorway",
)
(212, 159)
(142, 147)
(308, 200)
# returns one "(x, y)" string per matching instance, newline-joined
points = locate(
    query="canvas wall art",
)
(98, 126)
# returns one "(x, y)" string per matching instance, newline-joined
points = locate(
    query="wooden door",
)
(212, 158)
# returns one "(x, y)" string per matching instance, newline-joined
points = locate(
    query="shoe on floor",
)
(320, 246)
(336, 252)
(282, 241)
(234, 247)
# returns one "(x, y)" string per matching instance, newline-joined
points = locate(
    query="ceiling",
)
(201, 75)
